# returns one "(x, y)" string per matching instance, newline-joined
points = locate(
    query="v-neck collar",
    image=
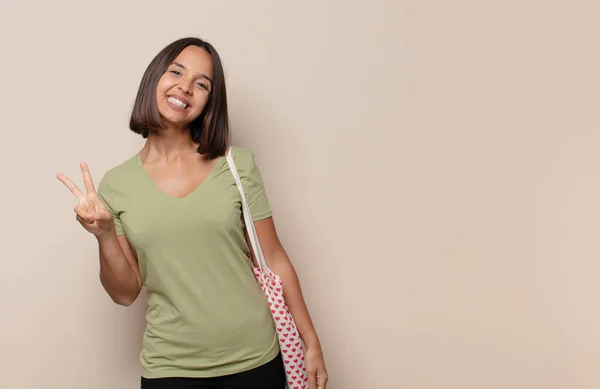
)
(209, 177)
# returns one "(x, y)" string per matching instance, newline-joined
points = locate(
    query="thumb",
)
(105, 220)
(103, 215)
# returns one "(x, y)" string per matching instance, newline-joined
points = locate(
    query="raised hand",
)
(91, 211)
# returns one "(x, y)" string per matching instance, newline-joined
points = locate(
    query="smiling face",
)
(183, 90)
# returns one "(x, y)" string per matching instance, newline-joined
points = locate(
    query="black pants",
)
(268, 376)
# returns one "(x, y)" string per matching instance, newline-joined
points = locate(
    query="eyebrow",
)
(201, 75)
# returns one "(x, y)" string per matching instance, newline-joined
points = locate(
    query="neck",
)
(168, 144)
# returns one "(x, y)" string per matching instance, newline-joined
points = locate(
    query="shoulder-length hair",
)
(211, 129)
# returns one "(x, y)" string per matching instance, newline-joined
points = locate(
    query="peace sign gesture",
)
(91, 211)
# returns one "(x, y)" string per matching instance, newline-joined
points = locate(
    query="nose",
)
(185, 86)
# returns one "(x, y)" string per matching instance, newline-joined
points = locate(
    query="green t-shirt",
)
(206, 315)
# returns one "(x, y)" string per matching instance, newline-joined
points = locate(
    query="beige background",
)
(432, 165)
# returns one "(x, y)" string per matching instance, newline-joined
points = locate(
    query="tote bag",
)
(289, 339)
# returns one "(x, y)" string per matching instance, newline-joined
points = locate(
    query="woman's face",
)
(182, 91)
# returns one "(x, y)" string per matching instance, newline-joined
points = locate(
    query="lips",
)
(178, 101)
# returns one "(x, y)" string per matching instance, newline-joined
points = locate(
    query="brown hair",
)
(211, 129)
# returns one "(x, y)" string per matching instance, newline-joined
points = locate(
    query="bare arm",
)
(278, 261)
(119, 270)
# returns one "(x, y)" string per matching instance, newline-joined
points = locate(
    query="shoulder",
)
(244, 158)
(241, 154)
(120, 175)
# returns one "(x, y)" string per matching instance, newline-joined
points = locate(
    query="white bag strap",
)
(254, 242)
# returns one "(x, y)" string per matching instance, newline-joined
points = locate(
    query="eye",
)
(202, 85)
(175, 72)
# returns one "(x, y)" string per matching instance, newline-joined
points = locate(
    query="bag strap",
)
(252, 234)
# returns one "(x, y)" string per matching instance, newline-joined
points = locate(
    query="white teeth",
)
(177, 102)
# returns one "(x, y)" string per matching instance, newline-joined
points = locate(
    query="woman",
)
(170, 219)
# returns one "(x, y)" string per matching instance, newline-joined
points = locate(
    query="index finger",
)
(69, 184)
(87, 178)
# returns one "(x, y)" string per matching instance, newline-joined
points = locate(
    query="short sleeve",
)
(106, 194)
(253, 185)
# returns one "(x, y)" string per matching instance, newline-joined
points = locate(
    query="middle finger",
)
(87, 178)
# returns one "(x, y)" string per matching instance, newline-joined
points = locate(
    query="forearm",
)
(116, 273)
(292, 293)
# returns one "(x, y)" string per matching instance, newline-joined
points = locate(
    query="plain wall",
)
(432, 166)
